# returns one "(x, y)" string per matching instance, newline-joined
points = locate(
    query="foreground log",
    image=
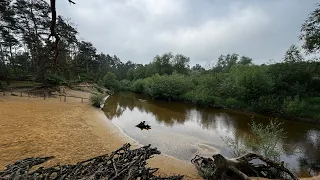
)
(221, 168)
(121, 164)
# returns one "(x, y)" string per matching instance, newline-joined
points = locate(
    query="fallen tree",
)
(242, 168)
(120, 164)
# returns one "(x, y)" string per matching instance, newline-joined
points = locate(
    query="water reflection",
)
(181, 130)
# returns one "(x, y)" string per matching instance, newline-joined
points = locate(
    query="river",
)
(182, 130)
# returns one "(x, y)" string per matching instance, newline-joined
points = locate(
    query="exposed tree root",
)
(221, 168)
(121, 164)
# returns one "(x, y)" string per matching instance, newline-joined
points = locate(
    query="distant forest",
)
(290, 88)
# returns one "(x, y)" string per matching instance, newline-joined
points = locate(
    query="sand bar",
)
(71, 131)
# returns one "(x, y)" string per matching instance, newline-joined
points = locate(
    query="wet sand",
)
(71, 131)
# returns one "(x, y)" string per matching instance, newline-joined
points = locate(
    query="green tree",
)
(86, 56)
(250, 82)
(244, 60)
(139, 72)
(197, 67)
(181, 64)
(163, 64)
(111, 82)
(130, 74)
(310, 31)
(169, 87)
(33, 20)
(225, 62)
(293, 55)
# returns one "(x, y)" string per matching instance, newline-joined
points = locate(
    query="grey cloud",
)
(137, 30)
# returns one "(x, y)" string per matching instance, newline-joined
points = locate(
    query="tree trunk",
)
(12, 61)
(3, 67)
(87, 67)
(219, 167)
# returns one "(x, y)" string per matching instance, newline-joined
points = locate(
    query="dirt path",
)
(71, 131)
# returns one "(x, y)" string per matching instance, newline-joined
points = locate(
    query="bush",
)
(200, 95)
(169, 87)
(232, 103)
(96, 99)
(98, 88)
(267, 104)
(294, 106)
(312, 107)
(55, 79)
(264, 141)
(111, 82)
(250, 82)
(125, 85)
(137, 86)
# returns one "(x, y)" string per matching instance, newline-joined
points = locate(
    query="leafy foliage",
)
(111, 82)
(311, 31)
(96, 99)
(167, 87)
(293, 54)
(137, 86)
(288, 88)
(264, 140)
(55, 79)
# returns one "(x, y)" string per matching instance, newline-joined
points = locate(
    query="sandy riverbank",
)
(71, 131)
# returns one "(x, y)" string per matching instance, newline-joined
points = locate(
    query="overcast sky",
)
(137, 30)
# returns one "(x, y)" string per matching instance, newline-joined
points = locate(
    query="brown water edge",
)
(70, 131)
(180, 129)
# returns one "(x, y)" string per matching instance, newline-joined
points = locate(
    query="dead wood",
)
(120, 164)
(220, 168)
(142, 125)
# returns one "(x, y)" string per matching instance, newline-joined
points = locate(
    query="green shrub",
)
(264, 140)
(96, 99)
(84, 77)
(312, 109)
(110, 81)
(294, 106)
(200, 95)
(137, 86)
(314, 101)
(231, 102)
(55, 79)
(267, 104)
(218, 101)
(167, 87)
(249, 82)
(98, 88)
(125, 85)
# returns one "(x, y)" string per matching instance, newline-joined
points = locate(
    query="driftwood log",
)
(242, 168)
(121, 164)
(142, 125)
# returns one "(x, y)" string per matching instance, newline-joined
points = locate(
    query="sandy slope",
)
(71, 131)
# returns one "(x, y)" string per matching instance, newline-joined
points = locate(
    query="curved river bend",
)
(183, 130)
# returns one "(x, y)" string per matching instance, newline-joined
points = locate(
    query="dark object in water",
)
(123, 163)
(142, 125)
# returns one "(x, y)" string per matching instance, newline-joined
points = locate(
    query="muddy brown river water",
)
(182, 130)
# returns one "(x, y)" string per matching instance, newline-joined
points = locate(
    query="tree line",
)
(26, 52)
(289, 88)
